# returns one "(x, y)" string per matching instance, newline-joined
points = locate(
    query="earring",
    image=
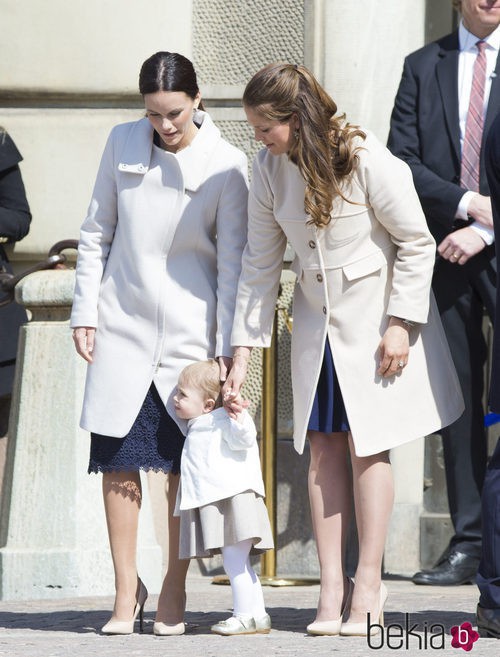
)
(296, 134)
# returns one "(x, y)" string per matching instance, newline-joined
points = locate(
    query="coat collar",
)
(193, 160)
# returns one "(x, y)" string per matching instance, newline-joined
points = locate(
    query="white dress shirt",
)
(468, 52)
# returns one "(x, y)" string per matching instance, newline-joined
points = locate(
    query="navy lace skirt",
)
(328, 413)
(153, 443)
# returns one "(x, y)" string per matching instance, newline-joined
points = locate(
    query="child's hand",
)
(235, 405)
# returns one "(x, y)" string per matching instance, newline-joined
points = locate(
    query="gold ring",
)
(455, 256)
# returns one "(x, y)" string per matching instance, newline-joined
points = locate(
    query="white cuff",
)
(463, 206)
(487, 234)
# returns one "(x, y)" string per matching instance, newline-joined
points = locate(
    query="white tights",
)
(248, 600)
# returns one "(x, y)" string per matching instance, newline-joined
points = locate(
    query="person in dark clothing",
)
(488, 577)
(15, 218)
(447, 99)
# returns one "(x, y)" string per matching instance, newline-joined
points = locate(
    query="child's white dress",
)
(221, 492)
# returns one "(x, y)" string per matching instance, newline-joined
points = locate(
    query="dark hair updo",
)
(168, 71)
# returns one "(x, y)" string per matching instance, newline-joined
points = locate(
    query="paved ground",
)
(67, 628)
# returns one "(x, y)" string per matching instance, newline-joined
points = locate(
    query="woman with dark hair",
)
(158, 263)
(371, 368)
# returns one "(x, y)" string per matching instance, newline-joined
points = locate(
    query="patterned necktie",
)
(471, 149)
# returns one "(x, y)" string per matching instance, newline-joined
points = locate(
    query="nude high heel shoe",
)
(361, 629)
(332, 627)
(169, 629)
(165, 629)
(127, 627)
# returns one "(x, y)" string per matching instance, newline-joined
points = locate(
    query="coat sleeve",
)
(96, 237)
(231, 239)
(241, 434)
(439, 197)
(391, 194)
(15, 215)
(261, 267)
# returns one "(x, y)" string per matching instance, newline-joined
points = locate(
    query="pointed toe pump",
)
(332, 627)
(361, 629)
(166, 629)
(114, 626)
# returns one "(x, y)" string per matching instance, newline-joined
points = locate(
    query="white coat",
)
(375, 259)
(220, 459)
(158, 263)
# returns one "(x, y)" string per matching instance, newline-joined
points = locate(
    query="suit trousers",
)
(488, 576)
(463, 293)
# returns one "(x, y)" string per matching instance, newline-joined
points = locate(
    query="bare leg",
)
(373, 500)
(122, 495)
(172, 600)
(330, 499)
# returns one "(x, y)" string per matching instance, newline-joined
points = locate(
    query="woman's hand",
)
(225, 364)
(394, 348)
(83, 337)
(231, 390)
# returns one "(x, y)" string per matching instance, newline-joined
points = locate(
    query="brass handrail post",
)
(269, 437)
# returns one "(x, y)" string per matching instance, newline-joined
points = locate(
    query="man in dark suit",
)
(447, 99)
(488, 577)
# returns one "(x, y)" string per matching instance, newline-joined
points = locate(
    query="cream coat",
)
(158, 264)
(374, 260)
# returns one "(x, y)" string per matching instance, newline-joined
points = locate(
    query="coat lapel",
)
(136, 154)
(447, 77)
(194, 159)
(494, 99)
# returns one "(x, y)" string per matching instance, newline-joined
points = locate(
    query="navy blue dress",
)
(328, 413)
(153, 443)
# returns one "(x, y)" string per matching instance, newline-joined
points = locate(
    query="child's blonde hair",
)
(204, 375)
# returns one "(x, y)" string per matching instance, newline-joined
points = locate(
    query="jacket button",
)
(319, 278)
(324, 310)
(312, 244)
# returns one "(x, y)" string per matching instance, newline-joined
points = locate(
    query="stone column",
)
(52, 525)
(364, 45)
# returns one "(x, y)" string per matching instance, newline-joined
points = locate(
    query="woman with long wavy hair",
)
(370, 365)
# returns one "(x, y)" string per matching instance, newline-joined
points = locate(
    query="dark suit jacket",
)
(15, 220)
(492, 161)
(425, 129)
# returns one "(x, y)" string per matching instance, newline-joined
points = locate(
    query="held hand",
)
(231, 390)
(480, 210)
(394, 348)
(83, 337)
(461, 245)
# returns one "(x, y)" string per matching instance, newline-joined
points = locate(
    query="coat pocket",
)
(367, 265)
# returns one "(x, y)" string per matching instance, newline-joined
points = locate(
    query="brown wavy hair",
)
(323, 149)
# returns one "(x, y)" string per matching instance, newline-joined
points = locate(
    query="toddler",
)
(221, 494)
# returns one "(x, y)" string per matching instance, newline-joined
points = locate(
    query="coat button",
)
(319, 278)
(324, 310)
(312, 244)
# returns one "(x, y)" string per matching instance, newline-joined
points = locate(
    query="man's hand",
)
(480, 210)
(459, 246)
